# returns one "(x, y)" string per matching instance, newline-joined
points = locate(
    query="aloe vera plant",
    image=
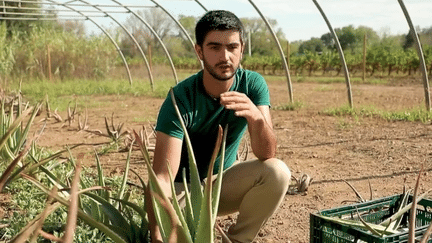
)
(195, 222)
(13, 139)
(12, 131)
(112, 215)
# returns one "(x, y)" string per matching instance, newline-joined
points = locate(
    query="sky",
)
(300, 19)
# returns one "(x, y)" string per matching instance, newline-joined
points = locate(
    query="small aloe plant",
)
(13, 140)
(113, 216)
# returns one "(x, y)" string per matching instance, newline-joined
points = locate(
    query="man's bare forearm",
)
(263, 139)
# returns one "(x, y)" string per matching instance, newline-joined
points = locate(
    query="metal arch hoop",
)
(131, 36)
(284, 62)
(182, 29)
(157, 37)
(202, 6)
(420, 54)
(341, 54)
(105, 32)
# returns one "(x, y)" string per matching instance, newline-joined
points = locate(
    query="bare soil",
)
(331, 149)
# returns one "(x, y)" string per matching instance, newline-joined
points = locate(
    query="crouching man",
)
(221, 94)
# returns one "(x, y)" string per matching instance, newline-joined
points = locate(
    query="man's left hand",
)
(241, 105)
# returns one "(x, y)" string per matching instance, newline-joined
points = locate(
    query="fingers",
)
(231, 97)
(234, 100)
(240, 104)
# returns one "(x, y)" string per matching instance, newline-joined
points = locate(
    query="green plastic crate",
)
(376, 211)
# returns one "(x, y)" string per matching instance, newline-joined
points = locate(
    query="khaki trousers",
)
(253, 188)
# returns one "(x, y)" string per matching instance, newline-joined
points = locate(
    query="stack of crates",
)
(374, 211)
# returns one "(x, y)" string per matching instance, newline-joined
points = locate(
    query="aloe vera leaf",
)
(125, 174)
(41, 162)
(395, 224)
(85, 217)
(196, 188)
(71, 220)
(218, 183)
(178, 209)
(162, 218)
(24, 134)
(188, 207)
(355, 191)
(370, 228)
(13, 127)
(177, 232)
(403, 210)
(135, 207)
(5, 175)
(206, 225)
(377, 227)
(413, 213)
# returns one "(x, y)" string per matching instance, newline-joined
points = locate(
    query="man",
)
(223, 94)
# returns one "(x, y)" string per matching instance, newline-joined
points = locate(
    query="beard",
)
(221, 77)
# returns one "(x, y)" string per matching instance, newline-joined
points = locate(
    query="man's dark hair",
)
(217, 20)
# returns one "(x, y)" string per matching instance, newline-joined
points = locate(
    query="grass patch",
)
(296, 105)
(412, 115)
(144, 119)
(324, 88)
(61, 93)
(326, 79)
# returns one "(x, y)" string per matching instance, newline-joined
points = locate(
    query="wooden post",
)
(150, 57)
(288, 54)
(49, 63)
(249, 43)
(364, 57)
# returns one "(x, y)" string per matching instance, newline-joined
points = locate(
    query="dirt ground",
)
(328, 148)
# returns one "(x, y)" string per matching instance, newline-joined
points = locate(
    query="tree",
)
(350, 38)
(426, 36)
(261, 40)
(314, 45)
(347, 37)
(409, 40)
(188, 23)
(74, 26)
(328, 40)
(158, 20)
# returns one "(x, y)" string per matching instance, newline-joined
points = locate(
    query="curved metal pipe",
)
(157, 37)
(341, 55)
(105, 32)
(420, 54)
(284, 62)
(182, 29)
(133, 39)
(202, 6)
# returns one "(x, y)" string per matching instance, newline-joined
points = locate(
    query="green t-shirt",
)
(203, 114)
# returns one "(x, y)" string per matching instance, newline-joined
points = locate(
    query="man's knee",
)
(278, 173)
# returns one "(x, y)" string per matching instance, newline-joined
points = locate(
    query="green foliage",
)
(296, 105)
(313, 45)
(28, 202)
(28, 54)
(61, 93)
(7, 49)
